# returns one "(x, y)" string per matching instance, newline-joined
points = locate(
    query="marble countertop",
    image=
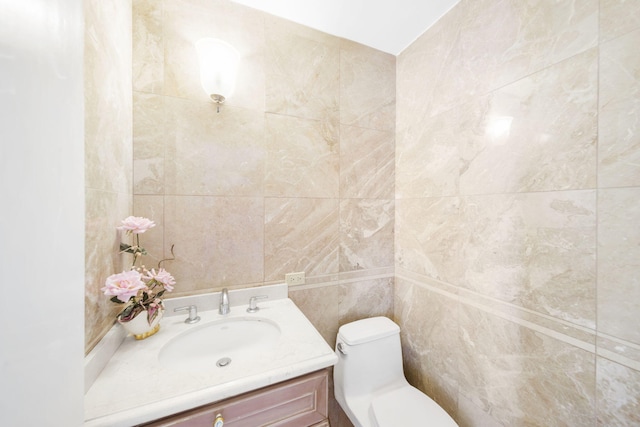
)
(134, 387)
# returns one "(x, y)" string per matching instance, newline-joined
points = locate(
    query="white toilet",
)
(369, 382)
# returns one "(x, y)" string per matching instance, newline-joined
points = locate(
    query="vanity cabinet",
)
(299, 402)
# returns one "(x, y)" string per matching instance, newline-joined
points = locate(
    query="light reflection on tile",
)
(542, 130)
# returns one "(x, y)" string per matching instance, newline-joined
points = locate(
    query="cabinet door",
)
(298, 402)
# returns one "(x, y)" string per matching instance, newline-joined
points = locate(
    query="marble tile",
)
(152, 207)
(300, 234)
(542, 130)
(302, 157)
(366, 233)
(321, 306)
(430, 78)
(107, 94)
(364, 299)
(148, 46)
(302, 71)
(618, 17)
(535, 250)
(213, 154)
(618, 394)
(107, 152)
(218, 240)
(428, 233)
(103, 212)
(367, 163)
(505, 41)
(619, 112)
(469, 415)
(148, 143)
(430, 153)
(356, 275)
(523, 377)
(429, 332)
(618, 350)
(367, 87)
(618, 255)
(186, 21)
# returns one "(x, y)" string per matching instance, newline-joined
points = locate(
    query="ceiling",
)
(386, 25)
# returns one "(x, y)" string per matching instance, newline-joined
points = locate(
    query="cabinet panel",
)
(298, 402)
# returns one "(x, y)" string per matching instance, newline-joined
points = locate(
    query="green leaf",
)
(116, 300)
(126, 312)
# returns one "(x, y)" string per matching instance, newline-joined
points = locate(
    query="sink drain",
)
(223, 362)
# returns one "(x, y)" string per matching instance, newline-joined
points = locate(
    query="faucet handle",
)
(253, 303)
(193, 313)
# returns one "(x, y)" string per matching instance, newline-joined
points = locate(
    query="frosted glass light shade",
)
(218, 68)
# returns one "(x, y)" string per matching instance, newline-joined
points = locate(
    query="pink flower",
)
(163, 277)
(124, 285)
(136, 224)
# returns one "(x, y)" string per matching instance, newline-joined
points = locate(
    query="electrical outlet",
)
(293, 279)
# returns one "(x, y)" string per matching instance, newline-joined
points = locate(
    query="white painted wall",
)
(41, 213)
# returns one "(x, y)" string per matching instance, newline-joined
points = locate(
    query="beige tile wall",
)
(262, 188)
(512, 161)
(294, 174)
(108, 152)
(517, 280)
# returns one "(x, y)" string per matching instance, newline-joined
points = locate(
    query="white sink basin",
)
(220, 344)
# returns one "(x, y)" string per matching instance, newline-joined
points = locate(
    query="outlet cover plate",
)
(293, 279)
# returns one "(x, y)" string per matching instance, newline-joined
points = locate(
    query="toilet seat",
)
(408, 407)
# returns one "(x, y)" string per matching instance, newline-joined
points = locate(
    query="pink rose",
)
(162, 276)
(136, 224)
(124, 285)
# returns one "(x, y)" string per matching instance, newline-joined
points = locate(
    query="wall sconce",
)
(218, 68)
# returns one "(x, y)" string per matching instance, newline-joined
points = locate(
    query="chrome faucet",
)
(193, 313)
(224, 302)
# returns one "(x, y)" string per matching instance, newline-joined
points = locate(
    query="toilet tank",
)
(370, 357)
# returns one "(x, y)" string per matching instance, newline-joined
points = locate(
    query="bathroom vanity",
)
(302, 401)
(250, 368)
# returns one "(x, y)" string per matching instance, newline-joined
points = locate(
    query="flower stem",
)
(136, 252)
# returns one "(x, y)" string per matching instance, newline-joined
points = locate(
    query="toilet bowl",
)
(369, 382)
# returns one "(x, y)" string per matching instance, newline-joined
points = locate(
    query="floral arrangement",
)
(139, 288)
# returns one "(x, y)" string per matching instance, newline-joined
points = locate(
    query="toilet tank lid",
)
(365, 330)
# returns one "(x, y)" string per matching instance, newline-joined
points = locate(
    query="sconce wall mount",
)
(218, 68)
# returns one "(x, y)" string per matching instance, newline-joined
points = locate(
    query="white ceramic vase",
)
(139, 326)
